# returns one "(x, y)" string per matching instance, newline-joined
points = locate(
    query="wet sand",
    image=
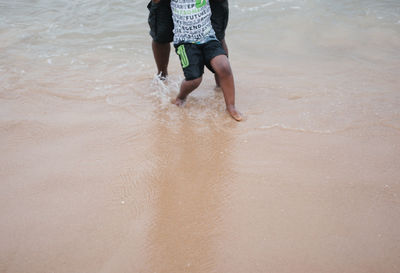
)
(99, 171)
(90, 190)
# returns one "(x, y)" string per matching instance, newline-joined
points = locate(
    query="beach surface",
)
(99, 172)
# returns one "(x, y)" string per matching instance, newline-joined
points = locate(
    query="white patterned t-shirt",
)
(192, 21)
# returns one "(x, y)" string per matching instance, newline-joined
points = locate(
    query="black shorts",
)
(160, 21)
(193, 57)
(162, 26)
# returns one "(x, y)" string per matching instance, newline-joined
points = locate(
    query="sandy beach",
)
(99, 172)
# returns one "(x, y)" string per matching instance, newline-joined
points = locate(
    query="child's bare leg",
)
(161, 56)
(186, 88)
(225, 46)
(222, 68)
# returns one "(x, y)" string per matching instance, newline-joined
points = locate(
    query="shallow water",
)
(100, 173)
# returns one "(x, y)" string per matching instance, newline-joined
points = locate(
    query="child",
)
(196, 44)
(162, 26)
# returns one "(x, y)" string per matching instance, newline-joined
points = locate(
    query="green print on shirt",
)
(182, 53)
(200, 3)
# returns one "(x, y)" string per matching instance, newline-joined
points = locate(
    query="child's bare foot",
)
(178, 101)
(217, 89)
(162, 78)
(235, 114)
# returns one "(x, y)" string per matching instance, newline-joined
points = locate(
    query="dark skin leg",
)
(222, 68)
(224, 45)
(161, 53)
(186, 88)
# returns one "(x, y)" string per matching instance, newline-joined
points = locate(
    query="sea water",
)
(314, 65)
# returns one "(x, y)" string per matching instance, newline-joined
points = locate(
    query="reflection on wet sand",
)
(194, 168)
